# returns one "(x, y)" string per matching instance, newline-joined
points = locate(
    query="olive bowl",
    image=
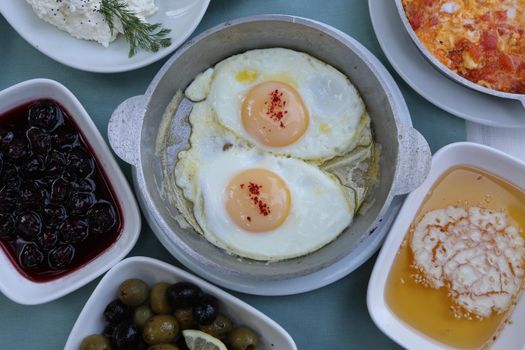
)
(21, 289)
(90, 321)
(404, 159)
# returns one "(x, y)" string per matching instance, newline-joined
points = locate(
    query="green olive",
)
(158, 300)
(95, 342)
(219, 327)
(160, 329)
(163, 347)
(242, 338)
(133, 292)
(185, 318)
(141, 315)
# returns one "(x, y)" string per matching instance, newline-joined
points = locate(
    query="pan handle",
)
(413, 161)
(124, 129)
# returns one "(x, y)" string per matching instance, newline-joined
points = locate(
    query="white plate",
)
(151, 271)
(464, 153)
(430, 83)
(181, 16)
(17, 287)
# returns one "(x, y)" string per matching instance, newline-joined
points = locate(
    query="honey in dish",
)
(428, 310)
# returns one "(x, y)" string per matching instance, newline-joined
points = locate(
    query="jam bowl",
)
(403, 163)
(67, 212)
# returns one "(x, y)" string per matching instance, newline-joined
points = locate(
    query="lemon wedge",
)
(197, 340)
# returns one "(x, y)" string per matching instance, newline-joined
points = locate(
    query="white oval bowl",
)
(12, 283)
(460, 153)
(182, 17)
(90, 321)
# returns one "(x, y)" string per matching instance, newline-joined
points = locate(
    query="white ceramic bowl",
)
(466, 153)
(17, 287)
(181, 16)
(151, 271)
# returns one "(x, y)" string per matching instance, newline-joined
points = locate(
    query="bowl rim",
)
(179, 274)
(444, 159)
(449, 73)
(131, 222)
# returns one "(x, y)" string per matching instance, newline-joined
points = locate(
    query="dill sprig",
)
(139, 34)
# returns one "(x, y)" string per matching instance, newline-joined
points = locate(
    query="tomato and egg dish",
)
(481, 40)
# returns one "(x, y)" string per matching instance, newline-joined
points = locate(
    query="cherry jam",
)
(57, 211)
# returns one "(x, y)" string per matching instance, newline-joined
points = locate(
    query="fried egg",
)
(255, 204)
(285, 102)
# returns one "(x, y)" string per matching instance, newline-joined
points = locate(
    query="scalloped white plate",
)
(181, 16)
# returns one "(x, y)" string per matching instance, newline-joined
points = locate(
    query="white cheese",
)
(474, 253)
(82, 19)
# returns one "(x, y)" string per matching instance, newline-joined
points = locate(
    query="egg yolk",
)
(274, 113)
(258, 200)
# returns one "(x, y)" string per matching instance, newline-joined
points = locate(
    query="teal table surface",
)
(333, 317)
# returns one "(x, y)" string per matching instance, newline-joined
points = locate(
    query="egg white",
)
(319, 211)
(320, 208)
(334, 105)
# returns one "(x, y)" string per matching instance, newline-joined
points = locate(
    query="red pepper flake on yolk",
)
(254, 191)
(276, 107)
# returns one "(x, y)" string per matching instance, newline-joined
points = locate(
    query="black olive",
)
(73, 230)
(101, 217)
(142, 345)
(206, 310)
(46, 116)
(108, 330)
(117, 311)
(30, 256)
(61, 256)
(183, 294)
(29, 225)
(126, 336)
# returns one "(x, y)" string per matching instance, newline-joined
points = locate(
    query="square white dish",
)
(461, 153)
(12, 283)
(90, 321)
